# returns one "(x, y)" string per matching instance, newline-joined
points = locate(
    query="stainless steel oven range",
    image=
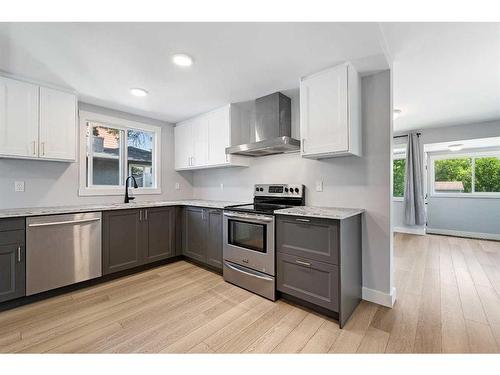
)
(249, 248)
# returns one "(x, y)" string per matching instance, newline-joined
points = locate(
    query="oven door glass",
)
(247, 235)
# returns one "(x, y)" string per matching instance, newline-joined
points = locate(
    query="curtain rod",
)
(405, 135)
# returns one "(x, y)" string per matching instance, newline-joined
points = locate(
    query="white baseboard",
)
(379, 297)
(410, 230)
(457, 233)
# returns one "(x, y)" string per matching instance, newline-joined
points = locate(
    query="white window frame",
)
(455, 155)
(397, 155)
(121, 124)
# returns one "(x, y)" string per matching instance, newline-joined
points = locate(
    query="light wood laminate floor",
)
(448, 301)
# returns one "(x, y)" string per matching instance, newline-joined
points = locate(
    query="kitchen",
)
(215, 188)
(309, 238)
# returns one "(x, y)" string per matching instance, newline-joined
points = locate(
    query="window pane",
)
(398, 170)
(453, 175)
(487, 175)
(105, 154)
(140, 157)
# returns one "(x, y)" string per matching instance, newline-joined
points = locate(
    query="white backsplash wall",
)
(347, 181)
(56, 183)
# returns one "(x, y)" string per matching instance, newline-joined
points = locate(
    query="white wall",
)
(475, 215)
(54, 183)
(347, 182)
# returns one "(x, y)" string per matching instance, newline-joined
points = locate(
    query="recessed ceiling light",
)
(455, 147)
(396, 113)
(182, 59)
(138, 91)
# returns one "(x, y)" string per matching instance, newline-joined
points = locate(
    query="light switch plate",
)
(319, 185)
(19, 186)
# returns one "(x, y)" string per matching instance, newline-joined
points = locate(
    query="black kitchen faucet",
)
(127, 198)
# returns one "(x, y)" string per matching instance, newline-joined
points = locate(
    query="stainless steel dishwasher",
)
(62, 250)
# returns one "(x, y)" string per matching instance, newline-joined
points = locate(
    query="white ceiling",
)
(233, 62)
(444, 73)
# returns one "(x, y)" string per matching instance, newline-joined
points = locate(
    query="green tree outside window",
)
(398, 181)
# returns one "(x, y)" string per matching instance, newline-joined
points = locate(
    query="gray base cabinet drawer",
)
(310, 280)
(311, 238)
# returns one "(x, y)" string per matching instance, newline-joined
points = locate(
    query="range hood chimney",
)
(272, 128)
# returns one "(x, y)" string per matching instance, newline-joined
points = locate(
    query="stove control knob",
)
(261, 189)
(286, 190)
(297, 190)
(256, 189)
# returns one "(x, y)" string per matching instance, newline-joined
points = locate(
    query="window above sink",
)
(112, 149)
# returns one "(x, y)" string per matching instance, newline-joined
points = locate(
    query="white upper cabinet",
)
(36, 122)
(18, 118)
(218, 137)
(200, 138)
(330, 121)
(57, 125)
(201, 142)
(183, 145)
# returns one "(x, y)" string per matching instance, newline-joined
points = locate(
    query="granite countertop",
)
(321, 212)
(36, 211)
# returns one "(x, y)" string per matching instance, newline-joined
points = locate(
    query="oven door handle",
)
(259, 219)
(238, 269)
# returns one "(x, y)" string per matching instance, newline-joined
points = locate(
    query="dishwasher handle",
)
(64, 222)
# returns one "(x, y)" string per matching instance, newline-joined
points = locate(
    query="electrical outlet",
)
(19, 186)
(319, 185)
(177, 186)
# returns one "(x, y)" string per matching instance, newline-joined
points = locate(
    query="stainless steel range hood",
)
(272, 128)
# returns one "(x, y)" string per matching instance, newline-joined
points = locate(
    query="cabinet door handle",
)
(303, 145)
(34, 148)
(303, 263)
(140, 215)
(43, 148)
(146, 215)
(19, 254)
(303, 220)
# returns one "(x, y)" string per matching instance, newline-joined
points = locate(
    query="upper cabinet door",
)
(183, 145)
(18, 118)
(218, 136)
(328, 125)
(200, 139)
(57, 125)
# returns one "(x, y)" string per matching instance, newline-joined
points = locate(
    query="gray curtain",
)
(414, 186)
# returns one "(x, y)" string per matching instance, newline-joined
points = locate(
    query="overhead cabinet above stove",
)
(330, 113)
(201, 142)
(36, 122)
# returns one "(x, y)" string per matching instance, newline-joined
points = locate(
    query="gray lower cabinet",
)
(319, 262)
(137, 236)
(310, 280)
(214, 238)
(202, 235)
(194, 234)
(122, 235)
(12, 259)
(311, 238)
(160, 237)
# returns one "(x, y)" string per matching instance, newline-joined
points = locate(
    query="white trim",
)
(410, 230)
(122, 124)
(457, 233)
(378, 297)
(398, 199)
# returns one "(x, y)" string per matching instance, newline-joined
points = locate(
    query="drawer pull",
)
(303, 220)
(19, 254)
(303, 263)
